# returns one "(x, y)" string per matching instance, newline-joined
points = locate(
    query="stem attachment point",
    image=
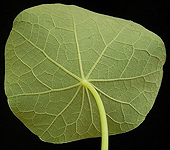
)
(103, 119)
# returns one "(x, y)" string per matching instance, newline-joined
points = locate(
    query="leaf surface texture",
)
(52, 48)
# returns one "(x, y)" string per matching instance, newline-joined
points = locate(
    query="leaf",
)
(53, 48)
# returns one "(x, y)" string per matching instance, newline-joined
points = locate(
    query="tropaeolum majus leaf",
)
(54, 50)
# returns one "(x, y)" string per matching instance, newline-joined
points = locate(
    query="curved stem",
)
(103, 119)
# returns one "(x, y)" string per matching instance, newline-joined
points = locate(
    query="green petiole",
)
(103, 119)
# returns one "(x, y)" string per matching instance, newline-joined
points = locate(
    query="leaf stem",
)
(103, 119)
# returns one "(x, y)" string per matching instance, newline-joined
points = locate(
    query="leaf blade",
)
(49, 52)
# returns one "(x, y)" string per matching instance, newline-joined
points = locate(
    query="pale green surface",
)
(51, 48)
(102, 113)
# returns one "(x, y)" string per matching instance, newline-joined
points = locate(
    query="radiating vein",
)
(90, 105)
(78, 49)
(81, 109)
(74, 96)
(31, 69)
(45, 92)
(123, 79)
(57, 64)
(97, 61)
(119, 101)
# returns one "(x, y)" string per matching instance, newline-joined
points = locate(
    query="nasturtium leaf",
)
(53, 48)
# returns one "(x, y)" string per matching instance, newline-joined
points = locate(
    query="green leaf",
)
(53, 48)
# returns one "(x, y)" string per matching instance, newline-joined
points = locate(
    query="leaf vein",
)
(78, 89)
(97, 61)
(54, 62)
(121, 102)
(122, 79)
(45, 92)
(77, 45)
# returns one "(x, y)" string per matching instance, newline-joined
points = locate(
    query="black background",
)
(153, 133)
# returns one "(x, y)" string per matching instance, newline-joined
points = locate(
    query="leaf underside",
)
(51, 48)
